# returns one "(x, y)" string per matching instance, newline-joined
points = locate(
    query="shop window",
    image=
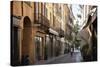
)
(47, 47)
(54, 43)
(38, 46)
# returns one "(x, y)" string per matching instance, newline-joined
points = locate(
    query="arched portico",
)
(26, 38)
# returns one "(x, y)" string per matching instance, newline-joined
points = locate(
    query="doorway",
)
(27, 37)
(38, 48)
(14, 47)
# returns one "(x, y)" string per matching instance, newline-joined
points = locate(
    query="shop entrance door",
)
(38, 48)
(14, 47)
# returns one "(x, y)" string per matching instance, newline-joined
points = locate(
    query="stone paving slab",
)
(66, 58)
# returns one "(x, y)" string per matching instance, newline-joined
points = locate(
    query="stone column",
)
(20, 43)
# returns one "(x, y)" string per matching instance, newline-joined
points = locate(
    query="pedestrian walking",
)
(71, 51)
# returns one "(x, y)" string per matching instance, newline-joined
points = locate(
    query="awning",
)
(62, 40)
(53, 31)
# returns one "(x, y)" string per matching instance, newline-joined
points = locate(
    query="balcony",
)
(41, 21)
(61, 32)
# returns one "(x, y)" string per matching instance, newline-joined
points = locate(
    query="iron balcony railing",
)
(61, 32)
(41, 19)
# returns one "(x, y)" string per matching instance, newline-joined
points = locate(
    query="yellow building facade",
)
(37, 31)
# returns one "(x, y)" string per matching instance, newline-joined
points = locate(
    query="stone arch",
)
(26, 36)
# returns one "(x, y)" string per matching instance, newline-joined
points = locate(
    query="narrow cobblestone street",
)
(67, 58)
(52, 33)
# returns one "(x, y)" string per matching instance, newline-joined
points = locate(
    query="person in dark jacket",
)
(25, 60)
